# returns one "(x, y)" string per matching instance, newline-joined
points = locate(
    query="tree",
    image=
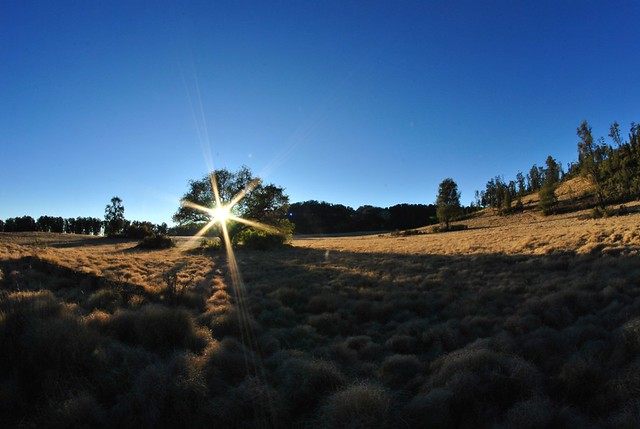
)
(548, 197)
(201, 193)
(520, 180)
(590, 157)
(535, 178)
(448, 201)
(138, 229)
(552, 172)
(114, 220)
(162, 229)
(265, 204)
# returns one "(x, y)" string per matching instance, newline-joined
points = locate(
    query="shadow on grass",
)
(92, 242)
(414, 340)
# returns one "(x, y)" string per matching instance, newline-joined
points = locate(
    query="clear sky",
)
(369, 102)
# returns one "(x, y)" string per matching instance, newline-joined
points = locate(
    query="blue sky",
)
(347, 102)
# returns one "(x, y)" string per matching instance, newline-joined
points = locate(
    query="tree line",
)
(613, 169)
(314, 217)
(57, 224)
(114, 224)
(505, 197)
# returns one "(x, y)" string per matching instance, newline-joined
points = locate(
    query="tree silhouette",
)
(448, 201)
(266, 204)
(114, 220)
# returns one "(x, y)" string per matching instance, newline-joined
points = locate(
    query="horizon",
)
(348, 103)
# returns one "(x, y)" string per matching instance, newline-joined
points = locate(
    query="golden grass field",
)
(519, 321)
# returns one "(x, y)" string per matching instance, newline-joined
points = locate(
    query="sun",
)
(220, 214)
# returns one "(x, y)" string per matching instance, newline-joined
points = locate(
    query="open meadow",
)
(522, 321)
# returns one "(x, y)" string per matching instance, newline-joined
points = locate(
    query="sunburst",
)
(222, 213)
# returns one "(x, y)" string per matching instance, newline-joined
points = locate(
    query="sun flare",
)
(220, 214)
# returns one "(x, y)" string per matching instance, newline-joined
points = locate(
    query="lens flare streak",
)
(221, 214)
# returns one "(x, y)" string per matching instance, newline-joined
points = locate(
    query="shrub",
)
(226, 363)
(397, 370)
(251, 404)
(176, 286)
(360, 348)
(304, 382)
(261, 240)
(168, 393)
(444, 228)
(432, 409)
(483, 383)
(79, 410)
(548, 199)
(360, 406)
(156, 241)
(139, 229)
(211, 244)
(599, 212)
(407, 232)
(104, 299)
(398, 343)
(158, 328)
(327, 323)
(533, 413)
(45, 350)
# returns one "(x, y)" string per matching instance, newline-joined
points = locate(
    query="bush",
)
(432, 409)
(211, 244)
(156, 241)
(260, 240)
(398, 370)
(548, 199)
(251, 404)
(140, 229)
(599, 212)
(304, 382)
(158, 328)
(444, 228)
(45, 350)
(529, 414)
(361, 406)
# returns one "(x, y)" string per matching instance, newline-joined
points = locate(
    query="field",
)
(517, 322)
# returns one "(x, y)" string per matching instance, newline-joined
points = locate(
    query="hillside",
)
(528, 232)
(518, 321)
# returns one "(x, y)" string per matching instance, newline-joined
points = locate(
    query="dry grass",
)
(527, 233)
(520, 321)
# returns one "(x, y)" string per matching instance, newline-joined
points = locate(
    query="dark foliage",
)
(252, 200)
(613, 169)
(83, 225)
(139, 229)
(50, 224)
(156, 241)
(20, 224)
(313, 217)
(114, 220)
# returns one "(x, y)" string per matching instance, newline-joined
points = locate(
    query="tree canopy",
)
(114, 221)
(448, 201)
(251, 200)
